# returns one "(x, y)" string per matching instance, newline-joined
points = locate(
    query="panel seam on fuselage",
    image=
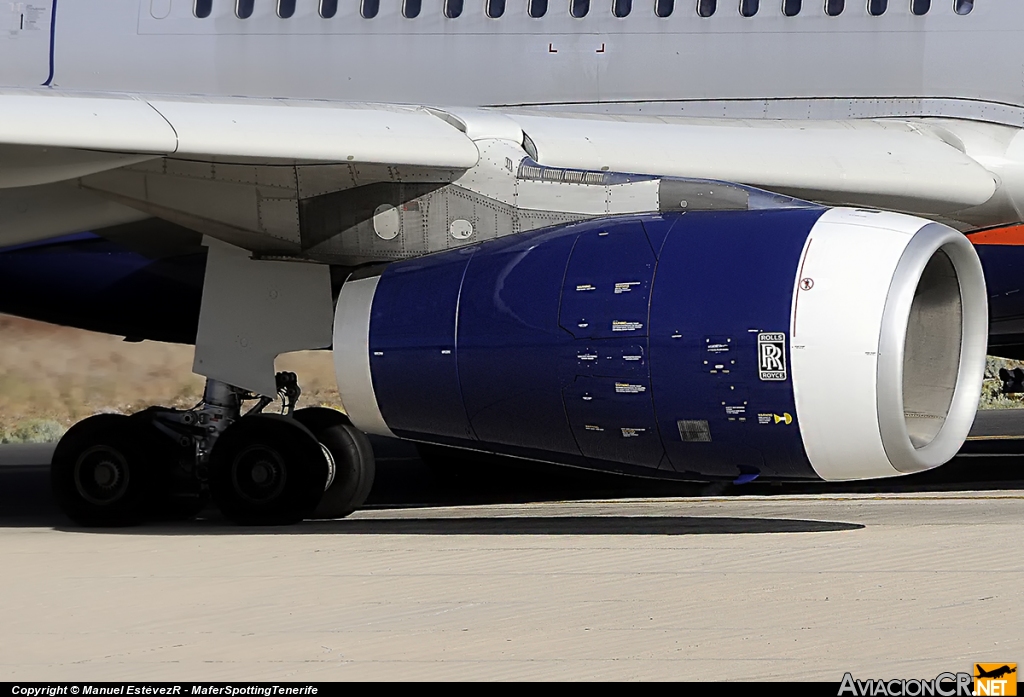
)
(53, 42)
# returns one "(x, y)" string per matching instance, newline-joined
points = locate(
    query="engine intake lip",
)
(927, 394)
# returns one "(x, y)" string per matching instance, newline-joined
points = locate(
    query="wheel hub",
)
(259, 474)
(101, 475)
(105, 474)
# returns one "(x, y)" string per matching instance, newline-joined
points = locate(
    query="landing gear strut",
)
(260, 469)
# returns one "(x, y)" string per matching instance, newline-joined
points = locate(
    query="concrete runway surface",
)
(527, 575)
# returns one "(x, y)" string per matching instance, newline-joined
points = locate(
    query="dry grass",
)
(50, 377)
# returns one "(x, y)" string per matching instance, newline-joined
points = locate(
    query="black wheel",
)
(351, 456)
(100, 474)
(267, 470)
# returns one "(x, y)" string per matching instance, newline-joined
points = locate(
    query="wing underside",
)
(179, 159)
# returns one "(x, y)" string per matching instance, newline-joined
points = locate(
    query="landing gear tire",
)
(100, 473)
(267, 469)
(352, 455)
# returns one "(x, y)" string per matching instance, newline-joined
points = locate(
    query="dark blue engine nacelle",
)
(791, 344)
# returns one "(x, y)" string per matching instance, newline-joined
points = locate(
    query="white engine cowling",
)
(889, 337)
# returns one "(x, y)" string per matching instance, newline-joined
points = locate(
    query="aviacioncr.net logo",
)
(995, 679)
(943, 685)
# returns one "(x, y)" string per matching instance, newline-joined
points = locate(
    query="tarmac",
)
(529, 574)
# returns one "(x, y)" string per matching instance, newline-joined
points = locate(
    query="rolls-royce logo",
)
(771, 355)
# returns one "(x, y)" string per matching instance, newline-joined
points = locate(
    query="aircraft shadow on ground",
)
(405, 483)
(25, 502)
(546, 525)
(577, 525)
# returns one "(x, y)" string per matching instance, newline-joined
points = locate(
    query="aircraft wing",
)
(49, 136)
(885, 164)
(899, 159)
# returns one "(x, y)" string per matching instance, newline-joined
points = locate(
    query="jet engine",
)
(793, 344)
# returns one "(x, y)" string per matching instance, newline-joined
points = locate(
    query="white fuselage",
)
(769, 65)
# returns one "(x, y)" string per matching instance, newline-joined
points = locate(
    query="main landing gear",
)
(260, 469)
